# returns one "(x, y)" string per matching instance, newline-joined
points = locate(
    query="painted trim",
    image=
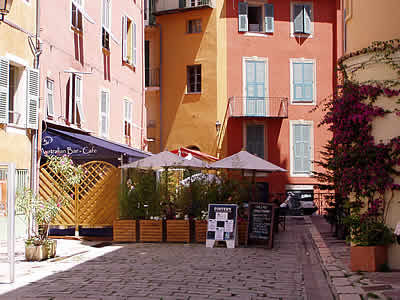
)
(301, 122)
(292, 34)
(17, 60)
(303, 60)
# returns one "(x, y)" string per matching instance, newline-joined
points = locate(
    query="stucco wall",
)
(369, 20)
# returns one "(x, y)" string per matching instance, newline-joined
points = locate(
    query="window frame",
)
(128, 22)
(106, 31)
(303, 35)
(106, 114)
(47, 97)
(256, 123)
(263, 30)
(200, 24)
(303, 60)
(292, 123)
(188, 82)
(72, 112)
(127, 121)
(79, 10)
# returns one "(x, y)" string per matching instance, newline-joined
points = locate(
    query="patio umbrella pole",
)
(254, 185)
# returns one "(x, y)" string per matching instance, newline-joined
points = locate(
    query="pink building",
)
(91, 72)
(281, 64)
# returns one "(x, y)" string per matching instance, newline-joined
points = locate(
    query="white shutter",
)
(4, 88)
(298, 18)
(71, 97)
(104, 113)
(269, 17)
(33, 99)
(134, 44)
(307, 19)
(243, 20)
(124, 38)
(50, 96)
(78, 97)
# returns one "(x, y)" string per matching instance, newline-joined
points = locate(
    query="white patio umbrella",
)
(246, 161)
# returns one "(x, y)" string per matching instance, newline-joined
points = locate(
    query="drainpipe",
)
(161, 90)
(142, 146)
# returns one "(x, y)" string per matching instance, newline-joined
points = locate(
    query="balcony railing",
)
(152, 77)
(163, 6)
(267, 107)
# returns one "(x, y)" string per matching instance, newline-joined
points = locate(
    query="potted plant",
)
(369, 236)
(43, 211)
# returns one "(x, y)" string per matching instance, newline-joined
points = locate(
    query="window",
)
(255, 86)
(194, 26)
(76, 15)
(74, 104)
(255, 17)
(19, 94)
(255, 139)
(128, 41)
(194, 79)
(303, 81)
(301, 133)
(106, 24)
(302, 19)
(128, 122)
(104, 113)
(49, 97)
(22, 179)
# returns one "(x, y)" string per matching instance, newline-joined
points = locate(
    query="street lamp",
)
(5, 6)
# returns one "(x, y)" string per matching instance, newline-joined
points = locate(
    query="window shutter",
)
(182, 3)
(4, 88)
(134, 43)
(243, 21)
(269, 17)
(307, 19)
(124, 38)
(308, 81)
(298, 82)
(104, 113)
(298, 18)
(255, 140)
(50, 94)
(71, 97)
(298, 153)
(307, 148)
(33, 99)
(78, 97)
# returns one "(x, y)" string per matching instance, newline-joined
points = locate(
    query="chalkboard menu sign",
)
(222, 220)
(261, 222)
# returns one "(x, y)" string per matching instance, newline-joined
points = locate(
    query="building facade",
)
(246, 75)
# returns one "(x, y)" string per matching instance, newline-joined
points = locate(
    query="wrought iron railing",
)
(165, 5)
(152, 77)
(270, 107)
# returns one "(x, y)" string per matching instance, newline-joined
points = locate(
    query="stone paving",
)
(176, 271)
(347, 285)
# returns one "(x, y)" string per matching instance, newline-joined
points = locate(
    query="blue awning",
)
(84, 147)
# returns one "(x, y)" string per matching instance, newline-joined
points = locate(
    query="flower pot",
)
(41, 252)
(124, 231)
(200, 228)
(367, 258)
(151, 230)
(178, 231)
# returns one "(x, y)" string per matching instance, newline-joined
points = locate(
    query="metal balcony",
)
(152, 77)
(173, 6)
(267, 107)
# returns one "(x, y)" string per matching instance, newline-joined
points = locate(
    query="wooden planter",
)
(242, 232)
(178, 231)
(41, 252)
(124, 231)
(151, 230)
(200, 229)
(368, 258)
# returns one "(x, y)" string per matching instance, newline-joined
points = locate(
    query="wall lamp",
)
(5, 6)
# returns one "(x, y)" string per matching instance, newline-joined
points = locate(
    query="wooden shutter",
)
(124, 38)
(134, 43)
(298, 18)
(32, 120)
(308, 82)
(302, 148)
(255, 140)
(307, 19)
(307, 148)
(4, 89)
(243, 21)
(269, 17)
(298, 82)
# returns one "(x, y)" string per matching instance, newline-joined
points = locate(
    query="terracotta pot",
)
(151, 230)
(124, 231)
(178, 231)
(41, 252)
(200, 229)
(367, 258)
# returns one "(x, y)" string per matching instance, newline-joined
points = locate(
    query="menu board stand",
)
(261, 223)
(222, 225)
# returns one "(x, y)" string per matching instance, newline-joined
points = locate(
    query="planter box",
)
(178, 231)
(151, 230)
(242, 232)
(368, 258)
(200, 229)
(42, 252)
(124, 231)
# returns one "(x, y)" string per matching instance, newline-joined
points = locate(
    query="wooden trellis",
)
(94, 202)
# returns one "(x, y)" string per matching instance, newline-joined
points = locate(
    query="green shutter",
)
(298, 85)
(307, 148)
(269, 17)
(243, 21)
(301, 149)
(308, 81)
(4, 88)
(298, 18)
(307, 18)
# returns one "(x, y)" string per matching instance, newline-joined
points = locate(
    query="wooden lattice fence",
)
(94, 202)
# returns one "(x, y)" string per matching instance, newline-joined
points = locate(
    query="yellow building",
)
(186, 45)
(364, 23)
(19, 91)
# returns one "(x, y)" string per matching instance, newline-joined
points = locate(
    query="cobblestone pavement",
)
(291, 270)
